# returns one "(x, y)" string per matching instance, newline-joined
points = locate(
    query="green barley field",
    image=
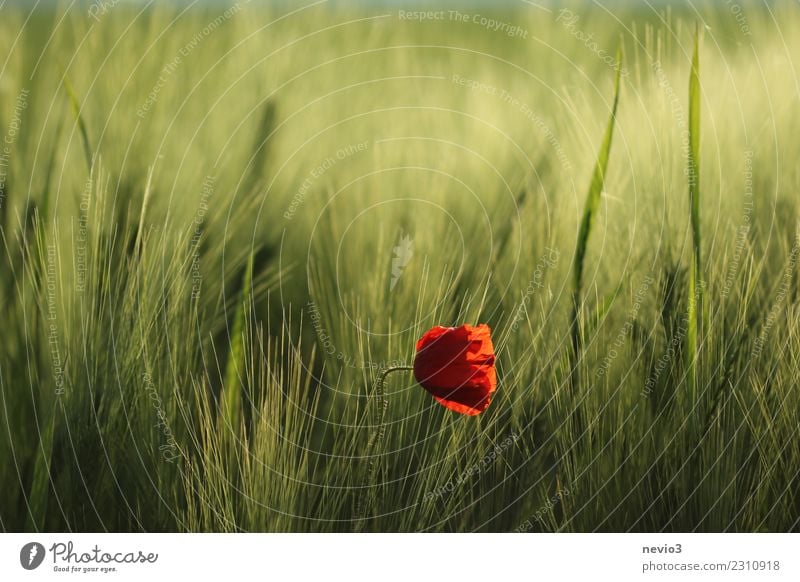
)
(221, 222)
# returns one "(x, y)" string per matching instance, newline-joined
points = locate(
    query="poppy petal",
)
(456, 366)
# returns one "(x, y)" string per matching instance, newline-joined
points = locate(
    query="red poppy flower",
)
(456, 365)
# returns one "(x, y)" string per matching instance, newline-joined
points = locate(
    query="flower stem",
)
(386, 371)
(379, 387)
(373, 444)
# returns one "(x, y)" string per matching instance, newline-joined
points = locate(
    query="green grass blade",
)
(695, 275)
(589, 211)
(48, 178)
(45, 404)
(261, 145)
(76, 111)
(148, 189)
(40, 486)
(234, 368)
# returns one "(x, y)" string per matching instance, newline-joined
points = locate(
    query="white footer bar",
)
(388, 557)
